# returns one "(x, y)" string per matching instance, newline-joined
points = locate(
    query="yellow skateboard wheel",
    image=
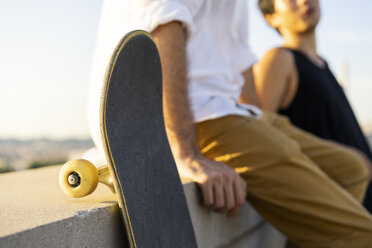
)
(78, 178)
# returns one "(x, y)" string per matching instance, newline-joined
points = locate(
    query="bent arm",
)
(274, 80)
(210, 175)
(249, 94)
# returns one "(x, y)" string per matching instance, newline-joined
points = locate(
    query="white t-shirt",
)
(217, 50)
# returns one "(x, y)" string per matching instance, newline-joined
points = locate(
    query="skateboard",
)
(140, 167)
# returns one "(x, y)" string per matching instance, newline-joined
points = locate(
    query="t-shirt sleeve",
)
(153, 13)
(244, 58)
(247, 60)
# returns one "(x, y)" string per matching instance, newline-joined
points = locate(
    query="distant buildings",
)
(21, 154)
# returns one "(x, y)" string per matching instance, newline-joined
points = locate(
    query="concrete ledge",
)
(247, 229)
(34, 212)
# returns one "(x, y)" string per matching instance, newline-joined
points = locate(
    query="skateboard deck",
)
(139, 159)
(149, 190)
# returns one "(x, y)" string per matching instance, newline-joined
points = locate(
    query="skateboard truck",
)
(80, 177)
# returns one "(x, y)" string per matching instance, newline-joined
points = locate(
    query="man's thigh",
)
(233, 136)
(259, 152)
(284, 184)
(345, 166)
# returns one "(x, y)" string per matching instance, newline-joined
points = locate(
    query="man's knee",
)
(358, 167)
(355, 176)
(363, 238)
(283, 150)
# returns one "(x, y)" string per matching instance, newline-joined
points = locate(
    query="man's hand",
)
(223, 189)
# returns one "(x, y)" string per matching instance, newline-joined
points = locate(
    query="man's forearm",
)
(171, 41)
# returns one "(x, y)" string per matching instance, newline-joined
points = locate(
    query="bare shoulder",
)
(273, 77)
(278, 56)
(276, 63)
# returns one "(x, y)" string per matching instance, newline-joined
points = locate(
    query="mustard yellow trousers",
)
(308, 188)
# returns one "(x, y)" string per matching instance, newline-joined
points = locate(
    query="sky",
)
(46, 51)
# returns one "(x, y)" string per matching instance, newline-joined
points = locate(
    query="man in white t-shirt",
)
(231, 149)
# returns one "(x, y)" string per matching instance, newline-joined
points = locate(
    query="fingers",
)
(223, 189)
(240, 196)
(229, 194)
(207, 191)
(213, 192)
(219, 198)
(224, 192)
(240, 191)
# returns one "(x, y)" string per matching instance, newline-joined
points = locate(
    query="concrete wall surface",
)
(34, 212)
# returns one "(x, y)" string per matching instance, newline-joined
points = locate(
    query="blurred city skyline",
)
(47, 48)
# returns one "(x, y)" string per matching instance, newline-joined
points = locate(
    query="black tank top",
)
(321, 107)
